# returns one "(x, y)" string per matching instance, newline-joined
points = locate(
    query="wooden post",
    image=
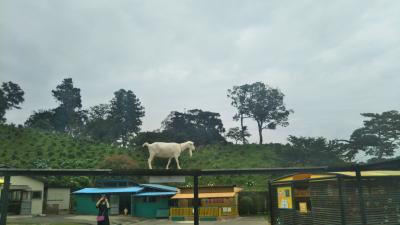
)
(360, 196)
(271, 210)
(4, 200)
(196, 199)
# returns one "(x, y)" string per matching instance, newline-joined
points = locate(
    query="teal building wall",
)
(85, 205)
(141, 208)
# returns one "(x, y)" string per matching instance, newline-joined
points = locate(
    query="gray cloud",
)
(333, 60)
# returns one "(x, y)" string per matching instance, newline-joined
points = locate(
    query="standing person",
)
(103, 206)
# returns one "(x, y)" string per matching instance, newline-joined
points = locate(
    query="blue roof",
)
(109, 190)
(143, 194)
(160, 187)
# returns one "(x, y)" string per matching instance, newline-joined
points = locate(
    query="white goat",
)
(168, 150)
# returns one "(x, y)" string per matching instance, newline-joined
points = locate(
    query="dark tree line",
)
(115, 122)
(202, 127)
(119, 121)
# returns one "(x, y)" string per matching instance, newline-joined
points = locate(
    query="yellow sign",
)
(284, 197)
(303, 207)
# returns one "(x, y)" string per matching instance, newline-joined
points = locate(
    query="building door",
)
(114, 204)
(14, 203)
(125, 203)
(26, 203)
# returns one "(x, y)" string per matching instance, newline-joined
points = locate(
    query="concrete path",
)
(238, 221)
(125, 220)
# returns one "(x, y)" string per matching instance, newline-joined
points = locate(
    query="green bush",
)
(246, 206)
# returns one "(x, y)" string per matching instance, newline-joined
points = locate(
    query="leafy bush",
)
(246, 206)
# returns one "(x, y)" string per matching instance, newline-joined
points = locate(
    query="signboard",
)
(301, 193)
(303, 207)
(166, 179)
(284, 197)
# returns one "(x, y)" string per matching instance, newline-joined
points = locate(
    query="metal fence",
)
(342, 200)
(7, 173)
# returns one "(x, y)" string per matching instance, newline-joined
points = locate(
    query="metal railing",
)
(7, 173)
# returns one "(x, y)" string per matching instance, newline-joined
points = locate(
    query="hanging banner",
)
(284, 197)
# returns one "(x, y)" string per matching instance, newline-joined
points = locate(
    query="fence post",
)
(341, 201)
(271, 210)
(360, 196)
(196, 199)
(4, 200)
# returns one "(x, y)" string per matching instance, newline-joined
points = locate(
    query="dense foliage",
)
(238, 134)
(379, 136)
(202, 127)
(116, 122)
(11, 95)
(29, 148)
(71, 137)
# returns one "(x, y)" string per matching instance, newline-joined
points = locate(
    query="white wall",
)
(60, 196)
(35, 185)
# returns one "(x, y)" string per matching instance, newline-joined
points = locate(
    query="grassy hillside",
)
(27, 148)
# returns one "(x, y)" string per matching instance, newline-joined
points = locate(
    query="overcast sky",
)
(332, 59)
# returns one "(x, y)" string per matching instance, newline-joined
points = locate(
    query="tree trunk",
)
(259, 124)
(242, 130)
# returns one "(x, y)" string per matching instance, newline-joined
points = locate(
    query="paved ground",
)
(122, 220)
(238, 221)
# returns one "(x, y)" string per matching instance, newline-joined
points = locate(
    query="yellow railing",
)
(205, 211)
(181, 212)
(209, 211)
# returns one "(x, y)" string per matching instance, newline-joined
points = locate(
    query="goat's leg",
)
(149, 161)
(169, 161)
(177, 162)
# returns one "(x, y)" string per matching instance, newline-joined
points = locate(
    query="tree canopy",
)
(239, 96)
(262, 103)
(237, 134)
(126, 112)
(202, 127)
(117, 121)
(312, 151)
(11, 96)
(379, 136)
(68, 117)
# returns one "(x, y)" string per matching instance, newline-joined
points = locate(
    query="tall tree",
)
(68, 95)
(11, 95)
(99, 124)
(379, 136)
(125, 113)
(68, 116)
(239, 96)
(265, 105)
(202, 127)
